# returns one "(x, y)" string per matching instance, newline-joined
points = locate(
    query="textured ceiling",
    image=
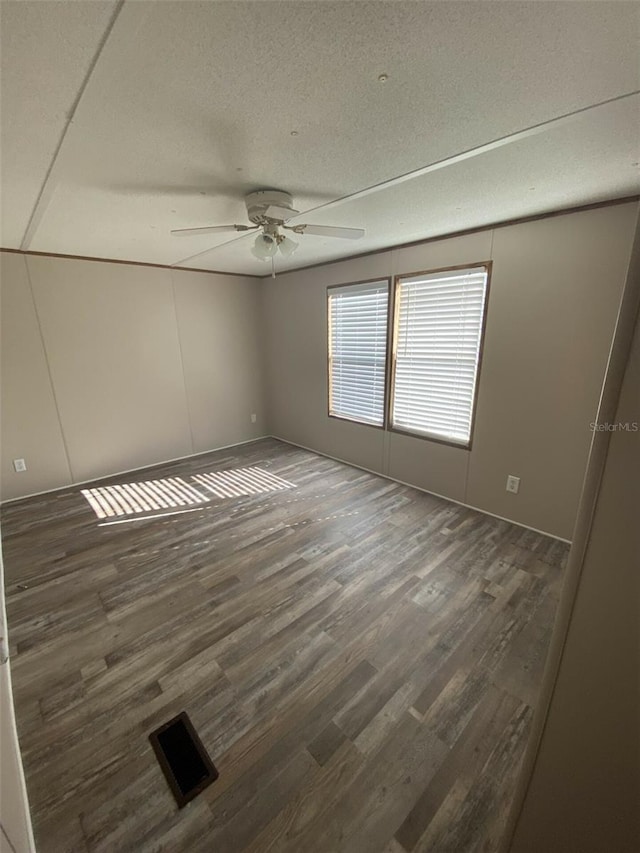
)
(121, 122)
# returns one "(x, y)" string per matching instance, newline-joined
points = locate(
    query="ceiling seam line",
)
(468, 153)
(437, 165)
(176, 265)
(34, 219)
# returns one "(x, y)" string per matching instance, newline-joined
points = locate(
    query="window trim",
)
(393, 310)
(330, 287)
(395, 304)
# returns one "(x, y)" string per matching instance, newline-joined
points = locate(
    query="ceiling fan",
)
(269, 210)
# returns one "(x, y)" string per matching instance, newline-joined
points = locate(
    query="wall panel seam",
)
(49, 371)
(486, 308)
(421, 489)
(184, 377)
(115, 474)
(615, 370)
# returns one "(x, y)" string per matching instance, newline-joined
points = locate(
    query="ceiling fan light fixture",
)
(264, 247)
(287, 246)
(268, 211)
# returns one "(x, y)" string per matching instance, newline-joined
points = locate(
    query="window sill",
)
(354, 421)
(434, 438)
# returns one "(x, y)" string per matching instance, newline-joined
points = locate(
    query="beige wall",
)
(555, 292)
(584, 793)
(29, 425)
(110, 367)
(221, 341)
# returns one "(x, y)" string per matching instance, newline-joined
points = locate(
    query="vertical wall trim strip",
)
(49, 372)
(184, 377)
(477, 395)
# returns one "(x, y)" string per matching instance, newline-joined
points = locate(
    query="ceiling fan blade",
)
(211, 229)
(329, 231)
(276, 212)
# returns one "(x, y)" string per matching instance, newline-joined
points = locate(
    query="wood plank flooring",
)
(361, 661)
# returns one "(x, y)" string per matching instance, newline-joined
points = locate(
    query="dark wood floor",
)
(361, 661)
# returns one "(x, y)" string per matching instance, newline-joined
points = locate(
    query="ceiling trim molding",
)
(121, 261)
(504, 223)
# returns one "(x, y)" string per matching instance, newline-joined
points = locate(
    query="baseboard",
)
(133, 470)
(420, 489)
(302, 447)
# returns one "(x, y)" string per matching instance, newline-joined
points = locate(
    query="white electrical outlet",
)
(513, 484)
(254, 418)
(19, 465)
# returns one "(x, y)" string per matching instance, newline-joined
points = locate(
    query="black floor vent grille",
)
(183, 758)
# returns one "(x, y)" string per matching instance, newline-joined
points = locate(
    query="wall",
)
(584, 791)
(555, 291)
(110, 367)
(16, 835)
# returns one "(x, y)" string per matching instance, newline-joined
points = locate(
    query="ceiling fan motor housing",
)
(258, 202)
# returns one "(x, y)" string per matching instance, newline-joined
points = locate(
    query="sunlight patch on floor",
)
(242, 481)
(175, 492)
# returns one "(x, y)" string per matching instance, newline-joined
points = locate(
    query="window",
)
(437, 327)
(358, 351)
(439, 323)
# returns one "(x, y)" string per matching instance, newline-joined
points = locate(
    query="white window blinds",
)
(440, 317)
(357, 351)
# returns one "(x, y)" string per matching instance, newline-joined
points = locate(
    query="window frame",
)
(330, 414)
(395, 308)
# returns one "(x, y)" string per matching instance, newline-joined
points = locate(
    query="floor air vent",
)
(183, 758)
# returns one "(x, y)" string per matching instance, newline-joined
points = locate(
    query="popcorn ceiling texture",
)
(184, 95)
